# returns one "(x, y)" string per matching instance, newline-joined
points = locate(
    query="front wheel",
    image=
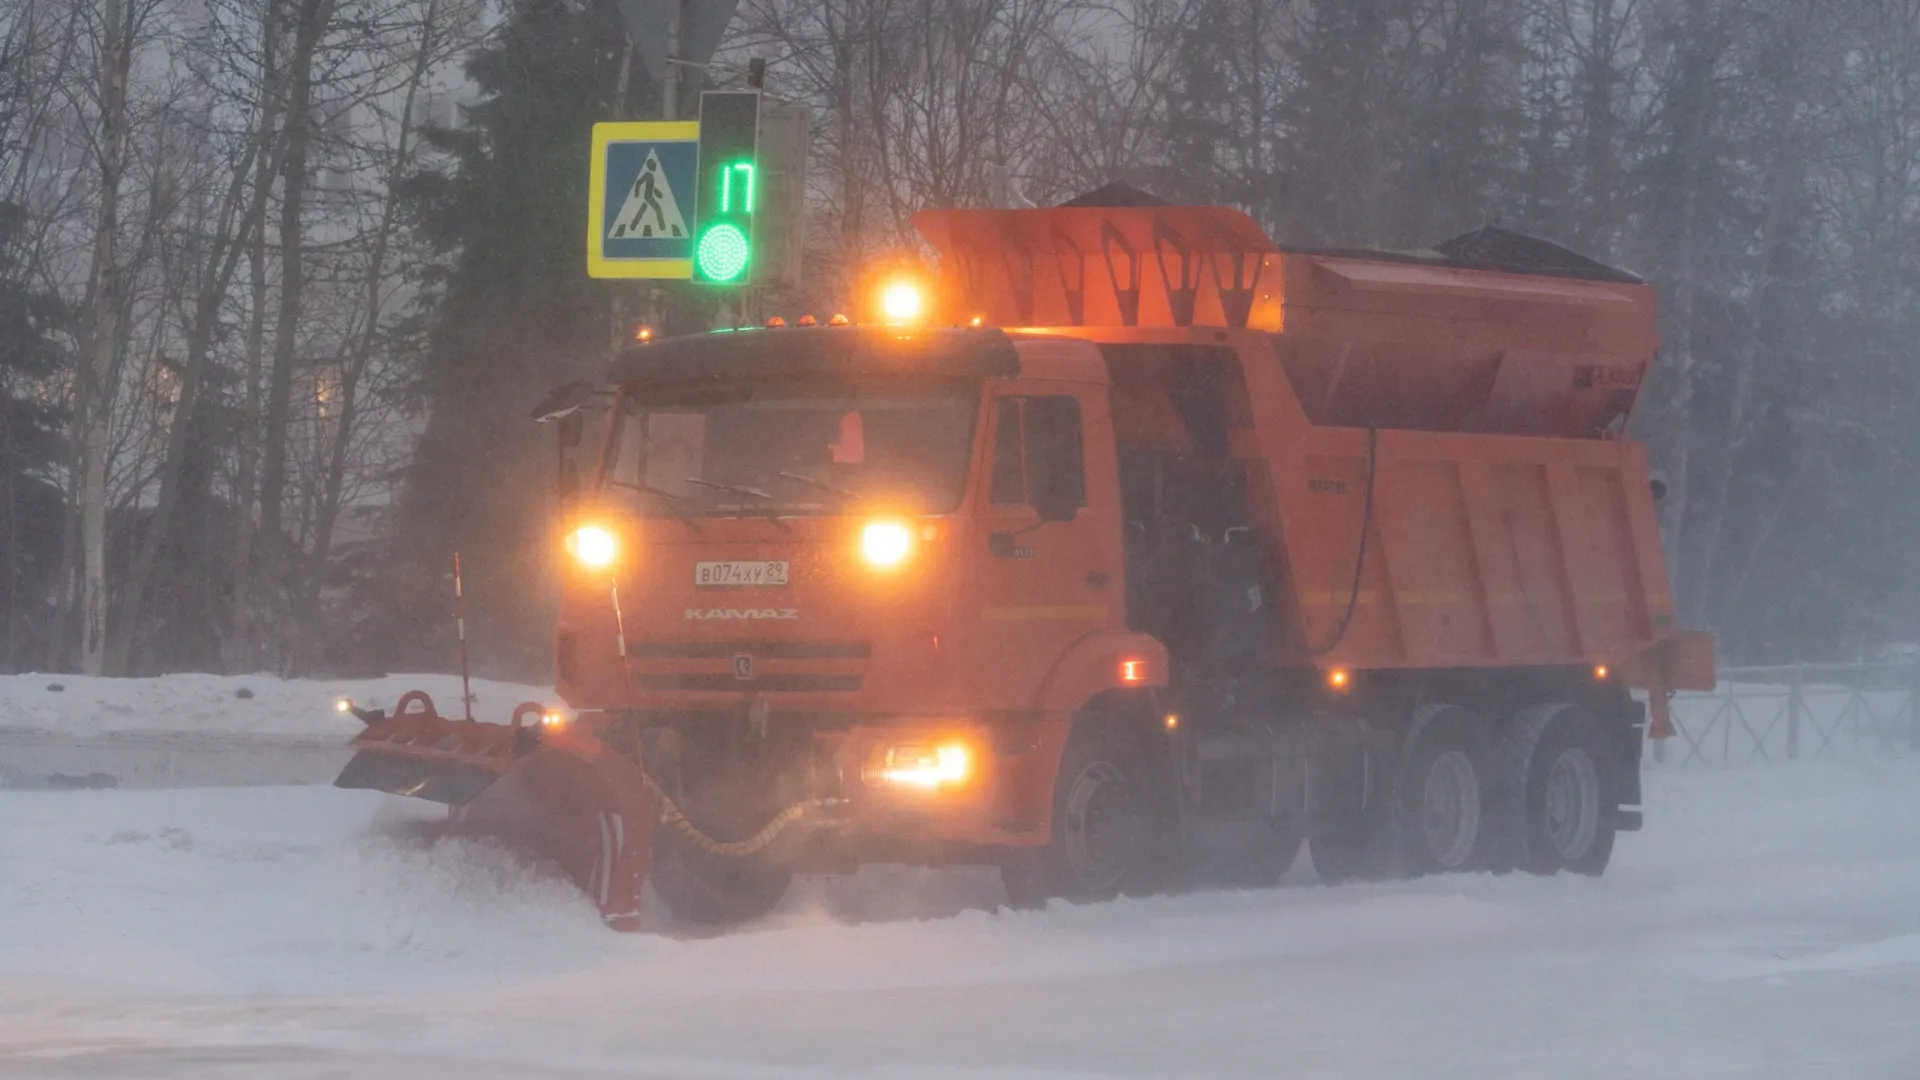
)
(1109, 823)
(712, 890)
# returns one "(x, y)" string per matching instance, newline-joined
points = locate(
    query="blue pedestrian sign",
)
(640, 199)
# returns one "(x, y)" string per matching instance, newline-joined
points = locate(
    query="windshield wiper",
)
(821, 484)
(752, 493)
(732, 489)
(645, 489)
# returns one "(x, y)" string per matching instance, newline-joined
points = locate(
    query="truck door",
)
(1045, 541)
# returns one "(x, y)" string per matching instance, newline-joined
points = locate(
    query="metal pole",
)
(669, 110)
(460, 625)
(617, 328)
(1913, 705)
(1796, 704)
(670, 95)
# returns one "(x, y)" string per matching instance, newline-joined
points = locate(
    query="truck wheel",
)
(1437, 803)
(1550, 807)
(711, 890)
(1109, 824)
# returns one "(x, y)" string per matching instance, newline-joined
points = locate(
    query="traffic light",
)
(727, 187)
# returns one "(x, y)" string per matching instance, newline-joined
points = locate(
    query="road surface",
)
(1767, 924)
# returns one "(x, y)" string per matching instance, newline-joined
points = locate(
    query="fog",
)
(247, 422)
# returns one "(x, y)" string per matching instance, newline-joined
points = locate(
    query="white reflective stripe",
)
(605, 869)
(593, 880)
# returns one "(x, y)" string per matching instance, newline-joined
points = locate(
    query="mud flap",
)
(561, 792)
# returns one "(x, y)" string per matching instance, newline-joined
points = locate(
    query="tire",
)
(713, 891)
(1110, 823)
(1438, 808)
(1550, 806)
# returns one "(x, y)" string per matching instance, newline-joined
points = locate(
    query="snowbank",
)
(85, 707)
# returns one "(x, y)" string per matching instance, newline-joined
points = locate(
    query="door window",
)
(1037, 456)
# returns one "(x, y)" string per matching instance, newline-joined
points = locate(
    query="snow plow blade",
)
(558, 790)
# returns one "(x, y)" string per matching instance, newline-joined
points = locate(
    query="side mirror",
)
(568, 433)
(563, 401)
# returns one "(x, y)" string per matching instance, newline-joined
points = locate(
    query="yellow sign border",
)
(599, 266)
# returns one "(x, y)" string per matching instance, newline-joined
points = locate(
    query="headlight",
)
(593, 546)
(885, 544)
(924, 765)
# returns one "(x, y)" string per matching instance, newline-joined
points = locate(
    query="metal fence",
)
(1802, 712)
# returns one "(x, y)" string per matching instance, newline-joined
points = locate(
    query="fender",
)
(1087, 668)
(1092, 665)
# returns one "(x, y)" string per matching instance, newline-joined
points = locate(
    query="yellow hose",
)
(671, 817)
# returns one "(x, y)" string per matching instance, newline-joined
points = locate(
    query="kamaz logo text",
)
(743, 613)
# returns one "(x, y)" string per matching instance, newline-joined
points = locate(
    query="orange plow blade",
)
(559, 790)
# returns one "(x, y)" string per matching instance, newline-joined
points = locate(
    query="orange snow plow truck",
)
(1133, 552)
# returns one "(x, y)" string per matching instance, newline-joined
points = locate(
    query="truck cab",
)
(869, 569)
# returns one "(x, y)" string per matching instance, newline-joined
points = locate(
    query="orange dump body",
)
(1431, 445)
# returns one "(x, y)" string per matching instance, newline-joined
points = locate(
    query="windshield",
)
(789, 450)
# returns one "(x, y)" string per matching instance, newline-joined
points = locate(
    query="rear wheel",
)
(1553, 795)
(1437, 804)
(1109, 823)
(713, 890)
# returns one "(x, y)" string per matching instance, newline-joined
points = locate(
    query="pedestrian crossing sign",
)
(640, 199)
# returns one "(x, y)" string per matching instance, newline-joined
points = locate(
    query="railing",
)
(1802, 712)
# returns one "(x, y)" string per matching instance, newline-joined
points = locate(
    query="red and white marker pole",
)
(460, 624)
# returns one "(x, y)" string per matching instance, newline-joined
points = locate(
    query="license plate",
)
(740, 572)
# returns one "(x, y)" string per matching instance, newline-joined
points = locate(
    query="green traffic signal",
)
(721, 254)
(726, 187)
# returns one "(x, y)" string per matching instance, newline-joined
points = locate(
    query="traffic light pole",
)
(669, 110)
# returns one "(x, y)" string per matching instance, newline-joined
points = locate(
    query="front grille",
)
(724, 681)
(759, 650)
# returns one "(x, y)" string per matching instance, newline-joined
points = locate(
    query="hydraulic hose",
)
(1360, 556)
(672, 818)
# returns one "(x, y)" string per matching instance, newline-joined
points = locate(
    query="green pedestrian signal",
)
(726, 187)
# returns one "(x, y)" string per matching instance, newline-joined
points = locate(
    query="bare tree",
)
(118, 21)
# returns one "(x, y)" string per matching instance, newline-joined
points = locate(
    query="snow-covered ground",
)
(1767, 924)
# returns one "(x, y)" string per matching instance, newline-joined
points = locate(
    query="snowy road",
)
(1766, 925)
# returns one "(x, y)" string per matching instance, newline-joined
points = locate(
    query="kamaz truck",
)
(1131, 551)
